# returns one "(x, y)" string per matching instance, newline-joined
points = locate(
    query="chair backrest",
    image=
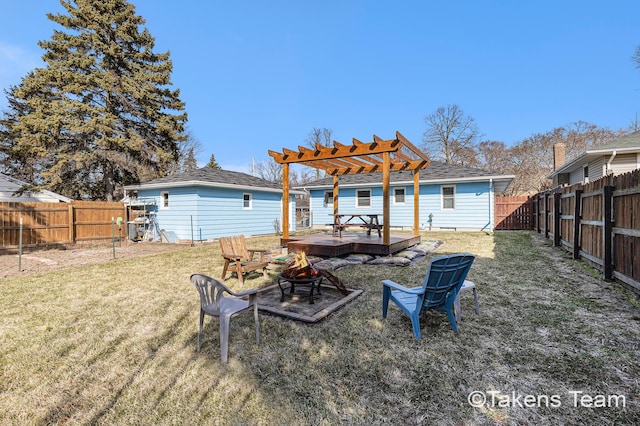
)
(446, 274)
(234, 246)
(211, 292)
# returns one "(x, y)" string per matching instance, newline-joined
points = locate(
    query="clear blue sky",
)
(259, 75)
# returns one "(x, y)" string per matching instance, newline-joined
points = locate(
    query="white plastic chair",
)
(467, 285)
(214, 303)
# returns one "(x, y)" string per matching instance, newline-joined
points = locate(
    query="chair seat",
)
(228, 306)
(405, 300)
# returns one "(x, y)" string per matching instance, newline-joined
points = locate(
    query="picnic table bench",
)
(340, 224)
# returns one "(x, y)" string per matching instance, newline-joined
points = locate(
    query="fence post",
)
(545, 205)
(532, 224)
(71, 224)
(607, 231)
(577, 216)
(556, 219)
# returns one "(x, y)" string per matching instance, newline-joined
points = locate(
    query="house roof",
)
(210, 177)
(9, 186)
(437, 172)
(627, 144)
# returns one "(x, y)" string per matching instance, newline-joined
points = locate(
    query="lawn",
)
(115, 343)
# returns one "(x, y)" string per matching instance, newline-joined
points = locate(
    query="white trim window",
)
(363, 198)
(164, 200)
(448, 197)
(247, 201)
(399, 195)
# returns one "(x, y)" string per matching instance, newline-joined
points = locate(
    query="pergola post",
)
(335, 197)
(386, 219)
(416, 203)
(285, 200)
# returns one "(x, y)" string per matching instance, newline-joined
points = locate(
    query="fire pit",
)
(300, 272)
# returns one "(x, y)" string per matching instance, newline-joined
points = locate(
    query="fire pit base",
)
(313, 282)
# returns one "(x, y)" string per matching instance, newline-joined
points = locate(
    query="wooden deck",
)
(326, 245)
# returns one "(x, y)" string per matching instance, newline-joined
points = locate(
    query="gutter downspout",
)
(489, 224)
(490, 217)
(613, 155)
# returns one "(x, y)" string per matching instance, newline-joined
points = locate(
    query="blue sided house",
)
(208, 203)
(451, 197)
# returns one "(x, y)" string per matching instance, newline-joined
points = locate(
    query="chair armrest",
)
(244, 293)
(232, 257)
(252, 253)
(396, 286)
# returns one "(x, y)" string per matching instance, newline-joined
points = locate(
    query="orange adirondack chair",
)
(240, 259)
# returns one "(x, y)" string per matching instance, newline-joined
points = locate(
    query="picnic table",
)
(367, 221)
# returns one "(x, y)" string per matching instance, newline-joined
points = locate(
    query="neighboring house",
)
(210, 203)
(10, 186)
(451, 197)
(616, 157)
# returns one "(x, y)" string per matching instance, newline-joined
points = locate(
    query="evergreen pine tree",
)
(190, 163)
(213, 163)
(100, 113)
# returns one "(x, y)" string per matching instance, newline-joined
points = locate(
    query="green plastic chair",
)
(444, 278)
(214, 303)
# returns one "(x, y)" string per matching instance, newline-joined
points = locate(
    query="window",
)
(328, 198)
(164, 200)
(246, 201)
(585, 174)
(363, 198)
(398, 195)
(448, 197)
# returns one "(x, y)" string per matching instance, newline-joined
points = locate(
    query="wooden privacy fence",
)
(599, 221)
(59, 223)
(513, 213)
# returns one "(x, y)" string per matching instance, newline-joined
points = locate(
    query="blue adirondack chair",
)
(444, 278)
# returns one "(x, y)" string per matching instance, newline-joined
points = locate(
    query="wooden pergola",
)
(378, 156)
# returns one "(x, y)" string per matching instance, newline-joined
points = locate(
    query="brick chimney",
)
(559, 155)
(559, 159)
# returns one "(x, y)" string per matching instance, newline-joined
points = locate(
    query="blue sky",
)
(259, 75)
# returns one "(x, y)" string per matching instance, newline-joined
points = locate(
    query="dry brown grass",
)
(115, 343)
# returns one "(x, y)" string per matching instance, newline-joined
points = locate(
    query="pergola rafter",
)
(359, 157)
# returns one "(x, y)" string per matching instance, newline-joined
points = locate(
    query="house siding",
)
(217, 212)
(576, 176)
(597, 169)
(625, 163)
(473, 206)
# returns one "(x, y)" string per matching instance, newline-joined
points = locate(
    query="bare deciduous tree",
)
(319, 136)
(493, 156)
(269, 170)
(532, 158)
(188, 150)
(451, 136)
